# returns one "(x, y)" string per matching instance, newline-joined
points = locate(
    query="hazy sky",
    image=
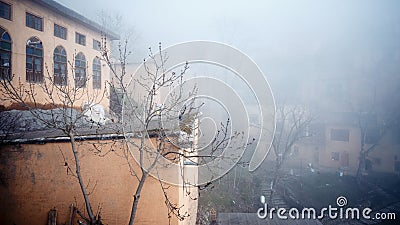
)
(289, 40)
(285, 38)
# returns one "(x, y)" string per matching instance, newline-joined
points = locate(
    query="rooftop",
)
(71, 14)
(21, 127)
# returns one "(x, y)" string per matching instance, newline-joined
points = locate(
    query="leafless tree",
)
(291, 128)
(114, 21)
(148, 135)
(8, 124)
(145, 118)
(58, 107)
(377, 114)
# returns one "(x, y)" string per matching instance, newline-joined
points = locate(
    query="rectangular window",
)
(34, 22)
(5, 10)
(80, 39)
(60, 31)
(340, 135)
(96, 44)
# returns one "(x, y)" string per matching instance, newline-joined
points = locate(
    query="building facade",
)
(44, 40)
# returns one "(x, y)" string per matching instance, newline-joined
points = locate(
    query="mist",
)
(342, 58)
(288, 40)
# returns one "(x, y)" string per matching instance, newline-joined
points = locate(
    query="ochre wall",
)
(34, 180)
(20, 34)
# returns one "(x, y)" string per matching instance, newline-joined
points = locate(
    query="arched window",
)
(96, 73)
(34, 60)
(80, 70)
(5, 55)
(60, 66)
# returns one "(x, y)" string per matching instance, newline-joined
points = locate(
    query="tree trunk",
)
(361, 165)
(81, 184)
(136, 197)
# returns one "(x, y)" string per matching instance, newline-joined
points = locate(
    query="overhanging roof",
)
(71, 14)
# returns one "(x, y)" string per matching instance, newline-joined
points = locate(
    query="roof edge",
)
(73, 15)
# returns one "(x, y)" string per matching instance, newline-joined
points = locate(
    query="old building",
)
(43, 38)
(44, 41)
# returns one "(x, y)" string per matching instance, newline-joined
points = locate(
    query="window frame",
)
(34, 21)
(96, 69)
(58, 31)
(80, 70)
(60, 78)
(9, 11)
(8, 53)
(32, 75)
(78, 38)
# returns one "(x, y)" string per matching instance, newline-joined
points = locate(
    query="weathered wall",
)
(33, 180)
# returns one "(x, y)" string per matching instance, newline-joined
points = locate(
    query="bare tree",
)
(291, 128)
(115, 21)
(168, 142)
(150, 136)
(376, 115)
(58, 107)
(9, 124)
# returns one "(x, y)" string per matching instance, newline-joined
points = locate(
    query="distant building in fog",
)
(351, 112)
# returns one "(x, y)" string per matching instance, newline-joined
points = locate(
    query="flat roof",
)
(71, 14)
(21, 127)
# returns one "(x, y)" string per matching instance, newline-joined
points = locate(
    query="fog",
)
(285, 38)
(342, 56)
(293, 42)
